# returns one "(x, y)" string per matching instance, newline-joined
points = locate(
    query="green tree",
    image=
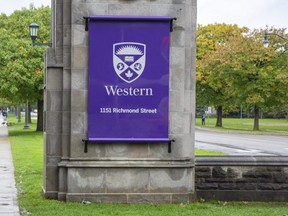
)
(22, 64)
(255, 76)
(212, 82)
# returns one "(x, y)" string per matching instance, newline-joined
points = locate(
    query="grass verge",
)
(201, 152)
(27, 150)
(245, 125)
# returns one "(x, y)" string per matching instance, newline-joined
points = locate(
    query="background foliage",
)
(234, 69)
(21, 64)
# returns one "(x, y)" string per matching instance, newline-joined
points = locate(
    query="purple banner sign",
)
(128, 78)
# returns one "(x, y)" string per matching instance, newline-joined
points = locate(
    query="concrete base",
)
(132, 198)
(126, 181)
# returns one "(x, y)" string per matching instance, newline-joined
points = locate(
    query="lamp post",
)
(33, 29)
(26, 125)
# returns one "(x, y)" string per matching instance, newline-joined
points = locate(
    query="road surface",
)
(241, 144)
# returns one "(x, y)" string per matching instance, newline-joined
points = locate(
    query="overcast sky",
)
(249, 13)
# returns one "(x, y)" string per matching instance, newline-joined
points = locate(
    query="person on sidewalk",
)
(203, 119)
(4, 114)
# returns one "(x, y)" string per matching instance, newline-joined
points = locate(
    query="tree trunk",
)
(40, 107)
(256, 118)
(219, 116)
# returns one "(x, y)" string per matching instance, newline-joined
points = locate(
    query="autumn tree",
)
(22, 64)
(212, 83)
(254, 76)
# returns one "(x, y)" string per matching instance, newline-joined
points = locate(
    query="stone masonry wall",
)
(242, 178)
(116, 172)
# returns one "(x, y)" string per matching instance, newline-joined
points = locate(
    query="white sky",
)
(249, 13)
(9, 6)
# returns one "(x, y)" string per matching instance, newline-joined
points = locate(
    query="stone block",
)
(139, 9)
(189, 104)
(177, 57)
(66, 40)
(127, 180)
(280, 177)
(62, 184)
(54, 79)
(77, 148)
(246, 186)
(177, 79)
(77, 123)
(79, 35)
(66, 100)
(189, 63)
(53, 144)
(65, 146)
(157, 150)
(180, 122)
(78, 100)
(86, 180)
(79, 57)
(178, 101)
(127, 150)
(66, 122)
(50, 178)
(268, 186)
(59, 12)
(182, 147)
(170, 180)
(91, 8)
(66, 12)
(67, 57)
(174, 10)
(149, 198)
(170, 1)
(67, 79)
(97, 198)
(183, 198)
(207, 186)
(178, 37)
(57, 41)
(53, 125)
(54, 100)
(218, 172)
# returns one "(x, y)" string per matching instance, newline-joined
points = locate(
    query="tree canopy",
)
(239, 70)
(21, 64)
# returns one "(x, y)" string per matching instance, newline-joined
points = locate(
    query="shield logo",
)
(129, 60)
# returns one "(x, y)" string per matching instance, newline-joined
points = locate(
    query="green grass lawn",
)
(201, 152)
(245, 125)
(27, 150)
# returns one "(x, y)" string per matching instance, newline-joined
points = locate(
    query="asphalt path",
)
(241, 144)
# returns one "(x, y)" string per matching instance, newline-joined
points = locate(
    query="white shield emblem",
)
(129, 60)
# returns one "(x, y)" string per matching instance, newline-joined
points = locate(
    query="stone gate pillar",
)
(116, 172)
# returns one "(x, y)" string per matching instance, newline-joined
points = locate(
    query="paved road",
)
(241, 144)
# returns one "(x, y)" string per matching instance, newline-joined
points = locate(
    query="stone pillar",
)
(116, 172)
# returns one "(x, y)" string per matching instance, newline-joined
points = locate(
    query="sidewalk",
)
(8, 191)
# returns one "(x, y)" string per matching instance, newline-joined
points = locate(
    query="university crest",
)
(129, 60)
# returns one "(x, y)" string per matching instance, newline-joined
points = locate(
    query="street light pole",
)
(26, 125)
